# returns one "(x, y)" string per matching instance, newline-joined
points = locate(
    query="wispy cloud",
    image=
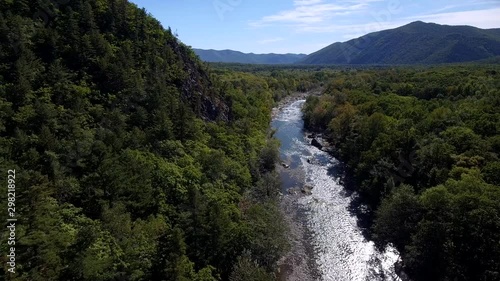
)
(485, 18)
(461, 6)
(306, 2)
(270, 40)
(312, 12)
(342, 20)
(355, 30)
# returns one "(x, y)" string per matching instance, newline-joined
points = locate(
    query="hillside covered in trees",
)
(414, 43)
(422, 147)
(133, 160)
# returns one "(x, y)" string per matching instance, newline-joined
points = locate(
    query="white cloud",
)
(306, 2)
(478, 4)
(361, 1)
(355, 30)
(487, 18)
(312, 12)
(270, 40)
(342, 20)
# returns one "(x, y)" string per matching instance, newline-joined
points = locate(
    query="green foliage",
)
(491, 173)
(269, 156)
(246, 270)
(457, 232)
(280, 80)
(397, 217)
(265, 228)
(425, 161)
(135, 160)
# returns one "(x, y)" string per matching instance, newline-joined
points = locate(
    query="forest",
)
(422, 147)
(134, 160)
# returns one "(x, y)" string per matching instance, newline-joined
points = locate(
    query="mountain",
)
(231, 56)
(414, 43)
(133, 158)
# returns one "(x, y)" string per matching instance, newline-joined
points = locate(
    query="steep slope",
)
(112, 49)
(230, 56)
(127, 158)
(415, 43)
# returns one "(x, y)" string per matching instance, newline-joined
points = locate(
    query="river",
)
(327, 243)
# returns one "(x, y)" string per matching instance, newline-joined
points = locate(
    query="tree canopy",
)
(421, 147)
(134, 160)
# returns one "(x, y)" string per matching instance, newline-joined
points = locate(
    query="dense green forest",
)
(422, 148)
(133, 160)
(281, 80)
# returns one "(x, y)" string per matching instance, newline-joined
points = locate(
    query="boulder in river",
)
(294, 191)
(316, 143)
(285, 165)
(327, 147)
(306, 189)
(311, 160)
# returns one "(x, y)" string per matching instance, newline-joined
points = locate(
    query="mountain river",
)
(327, 243)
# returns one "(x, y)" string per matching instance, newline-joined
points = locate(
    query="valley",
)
(134, 156)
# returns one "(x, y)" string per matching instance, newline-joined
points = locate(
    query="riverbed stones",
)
(293, 191)
(316, 143)
(306, 189)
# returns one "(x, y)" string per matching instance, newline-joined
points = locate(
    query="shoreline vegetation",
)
(421, 148)
(280, 104)
(297, 264)
(134, 160)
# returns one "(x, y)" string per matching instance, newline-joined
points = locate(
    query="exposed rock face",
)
(197, 88)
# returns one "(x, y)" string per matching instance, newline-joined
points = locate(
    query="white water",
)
(341, 253)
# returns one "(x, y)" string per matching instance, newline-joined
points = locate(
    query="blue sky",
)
(305, 26)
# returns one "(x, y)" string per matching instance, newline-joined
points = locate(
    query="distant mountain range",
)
(414, 43)
(239, 57)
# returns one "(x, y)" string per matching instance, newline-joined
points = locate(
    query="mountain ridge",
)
(415, 43)
(231, 56)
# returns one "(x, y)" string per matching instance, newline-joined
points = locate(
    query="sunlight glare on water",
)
(341, 253)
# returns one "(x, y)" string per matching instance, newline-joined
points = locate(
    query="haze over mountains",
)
(414, 43)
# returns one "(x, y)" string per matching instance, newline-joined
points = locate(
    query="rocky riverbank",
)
(298, 263)
(326, 240)
(292, 98)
